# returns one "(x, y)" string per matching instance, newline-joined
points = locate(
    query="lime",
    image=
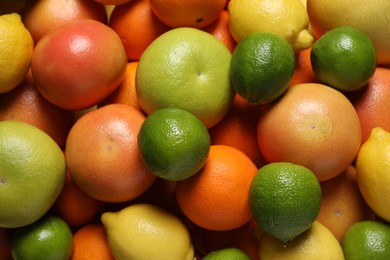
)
(344, 58)
(230, 253)
(145, 231)
(285, 199)
(261, 67)
(47, 238)
(189, 69)
(367, 239)
(32, 173)
(174, 144)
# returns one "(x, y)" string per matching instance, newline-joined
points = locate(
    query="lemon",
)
(286, 18)
(372, 171)
(16, 48)
(368, 239)
(146, 231)
(285, 199)
(48, 238)
(173, 143)
(189, 69)
(317, 243)
(262, 65)
(229, 253)
(32, 173)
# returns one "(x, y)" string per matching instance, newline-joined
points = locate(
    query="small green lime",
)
(368, 239)
(230, 253)
(47, 238)
(261, 67)
(285, 199)
(344, 58)
(173, 143)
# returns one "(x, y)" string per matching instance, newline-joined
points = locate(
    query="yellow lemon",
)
(286, 18)
(372, 171)
(16, 48)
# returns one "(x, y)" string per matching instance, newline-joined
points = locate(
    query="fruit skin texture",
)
(372, 164)
(32, 173)
(79, 64)
(227, 253)
(285, 199)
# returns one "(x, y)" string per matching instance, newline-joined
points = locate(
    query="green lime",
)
(47, 238)
(285, 199)
(230, 253)
(173, 143)
(32, 173)
(189, 69)
(262, 65)
(344, 58)
(367, 239)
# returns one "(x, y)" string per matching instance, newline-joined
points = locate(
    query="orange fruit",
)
(112, 2)
(342, 203)
(220, 29)
(102, 154)
(216, 198)
(90, 242)
(371, 102)
(303, 72)
(42, 16)
(312, 125)
(137, 26)
(126, 92)
(195, 13)
(79, 64)
(239, 129)
(26, 104)
(5, 243)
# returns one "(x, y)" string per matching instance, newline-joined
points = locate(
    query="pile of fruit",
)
(172, 129)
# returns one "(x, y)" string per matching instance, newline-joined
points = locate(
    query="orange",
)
(126, 92)
(216, 198)
(26, 104)
(42, 16)
(90, 242)
(220, 29)
(75, 206)
(372, 102)
(102, 154)
(112, 2)
(195, 13)
(137, 26)
(312, 125)
(303, 72)
(342, 203)
(239, 129)
(5, 243)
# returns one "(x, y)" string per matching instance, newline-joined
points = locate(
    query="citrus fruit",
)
(195, 13)
(16, 51)
(315, 243)
(216, 198)
(262, 65)
(372, 163)
(79, 64)
(344, 58)
(284, 199)
(372, 19)
(47, 238)
(112, 2)
(146, 231)
(303, 72)
(102, 154)
(367, 240)
(312, 125)
(286, 18)
(230, 253)
(173, 143)
(189, 69)
(32, 173)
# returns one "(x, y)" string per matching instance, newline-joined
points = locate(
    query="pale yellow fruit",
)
(286, 18)
(317, 242)
(146, 231)
(372, 171)
(371, 17)
(16, 48)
